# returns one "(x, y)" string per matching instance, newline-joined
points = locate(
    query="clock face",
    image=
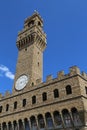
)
(21, 82)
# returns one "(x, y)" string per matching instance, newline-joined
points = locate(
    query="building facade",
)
(59, 103)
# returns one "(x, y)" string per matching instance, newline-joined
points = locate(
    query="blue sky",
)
(65, 23)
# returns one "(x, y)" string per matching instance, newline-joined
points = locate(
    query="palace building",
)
(56, 104)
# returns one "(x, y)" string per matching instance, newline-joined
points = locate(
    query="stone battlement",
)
(74, 70)
(6, 95)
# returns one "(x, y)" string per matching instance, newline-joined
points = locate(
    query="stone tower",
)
(31, 43)
(57, 104)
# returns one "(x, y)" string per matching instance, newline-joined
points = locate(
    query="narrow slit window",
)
(24, 102)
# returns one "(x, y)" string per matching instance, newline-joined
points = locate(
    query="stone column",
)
(71, 119)
(53, 120)
(12, 124)
(63, 124)
(45, 121)
(23, 124)
(29, 123)
(17, 125)
(7, 126)
(1, 127)
(37, 122)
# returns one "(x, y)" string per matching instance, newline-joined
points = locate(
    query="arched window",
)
(44, 96)
(15, 125)
(49, 121)
(56, 93)
(57, 119)
(1, 109)
(76, 117)
(33, 123)
(27, 127)
(41, 122)
(66, 118)
(9, 126)
(32, 83)
(39, 23)
(4, 126)
(7, 107)
(68, 89)
(33, 99)
(21, 127)
(15, 105)
(24, 102)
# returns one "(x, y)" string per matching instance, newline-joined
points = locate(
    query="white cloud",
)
(4, 71)
(3, 68)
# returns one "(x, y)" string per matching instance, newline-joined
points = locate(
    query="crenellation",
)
(84, 75)
(74, 70)
(38, 81)
(7, 94)
(49, 78)
(60, 75)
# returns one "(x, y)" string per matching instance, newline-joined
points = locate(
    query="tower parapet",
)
(48, 78)
(74, 70)
(7, 94)
(32, 33)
